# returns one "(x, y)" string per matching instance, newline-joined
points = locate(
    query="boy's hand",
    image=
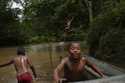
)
(62, 80)
(37, 79)
(104, 76)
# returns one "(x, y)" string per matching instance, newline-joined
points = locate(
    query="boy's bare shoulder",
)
(84, 59)
(64, 60)
(26, 57)
(17, 58)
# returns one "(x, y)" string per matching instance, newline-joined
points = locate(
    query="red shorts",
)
(24, 78)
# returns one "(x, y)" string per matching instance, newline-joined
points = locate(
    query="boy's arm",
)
(32, 67)
(95, 68)
(57, 71)
(6, 64)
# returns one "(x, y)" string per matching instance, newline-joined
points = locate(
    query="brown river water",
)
(44, 58)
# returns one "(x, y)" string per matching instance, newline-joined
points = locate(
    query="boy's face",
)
(75, 50)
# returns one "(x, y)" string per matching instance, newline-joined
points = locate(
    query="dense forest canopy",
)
(49, 20)
(107, 34)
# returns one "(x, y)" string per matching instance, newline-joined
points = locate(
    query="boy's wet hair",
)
(20, 51)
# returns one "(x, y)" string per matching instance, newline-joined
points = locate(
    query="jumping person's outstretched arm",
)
(95, 68)
(6, 64)
(32, 67)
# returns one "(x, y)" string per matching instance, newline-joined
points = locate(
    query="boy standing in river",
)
(73, 66)
(22, 65)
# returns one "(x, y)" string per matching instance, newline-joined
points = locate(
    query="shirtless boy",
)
(22, 65)
(73, 65)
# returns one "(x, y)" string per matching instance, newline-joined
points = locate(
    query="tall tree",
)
(11, 31)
